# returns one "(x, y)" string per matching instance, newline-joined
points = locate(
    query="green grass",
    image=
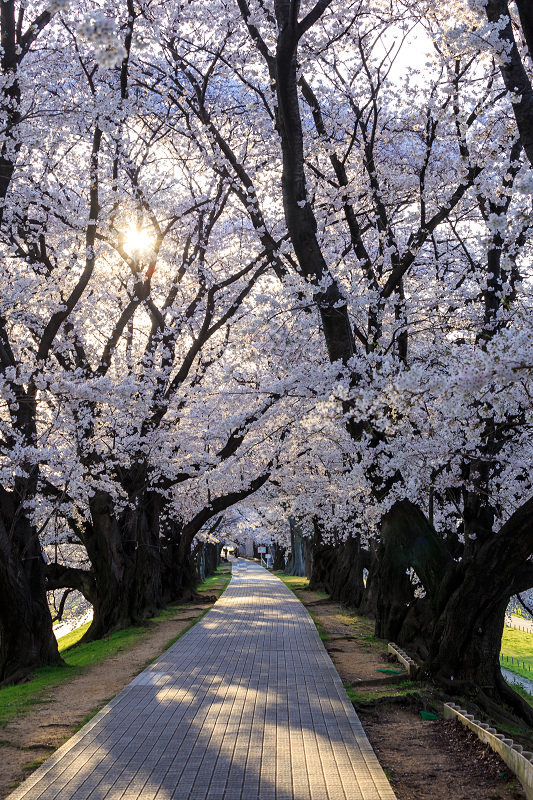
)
(294, 582)
(17, 700)
(34, 764)
(401, 689)
(320, 628)
(167, 612)
(218, 581)
(518, 646)
(85, 655)
(72, 638)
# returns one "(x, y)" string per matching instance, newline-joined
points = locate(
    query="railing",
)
(515, 662)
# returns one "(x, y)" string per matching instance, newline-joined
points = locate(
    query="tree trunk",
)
(368, 606)
(296, 562)
(126, 562)
(338, 569)
(465, 646)
(279, 557)
(112, 557)
(512, 69)
(457, 627)
(206, 556)
(299, 216)
(141, 530)
(408, 542)
(212, 557)
(27, 640)
(179, 570)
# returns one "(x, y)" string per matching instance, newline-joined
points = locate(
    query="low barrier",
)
(518, 760)
(514, 755)
(403, 658)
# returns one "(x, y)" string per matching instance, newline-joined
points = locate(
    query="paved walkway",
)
(511, 678)
(519, 622)
(247, 705)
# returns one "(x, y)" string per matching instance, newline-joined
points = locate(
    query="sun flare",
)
(137, 240)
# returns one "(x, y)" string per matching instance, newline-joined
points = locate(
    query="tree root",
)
(317, 602)
(502, 705)
(517, 704)
(192, 596)
(203, 599)
(23, 675)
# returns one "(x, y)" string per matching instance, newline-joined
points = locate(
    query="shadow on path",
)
(247, 705)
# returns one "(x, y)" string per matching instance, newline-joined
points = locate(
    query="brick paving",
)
(247, 705)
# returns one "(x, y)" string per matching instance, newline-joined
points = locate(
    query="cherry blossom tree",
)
(262, 263)
(112, 350)
(26, 638)
(389, 249)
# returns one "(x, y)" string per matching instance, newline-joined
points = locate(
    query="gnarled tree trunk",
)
(278, 562)
(300, 559)
(179, 570)
(338, 568)
(125, 558)
(457, 627)
(27, 640)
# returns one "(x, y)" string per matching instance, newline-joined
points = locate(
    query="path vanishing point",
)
(247, 705)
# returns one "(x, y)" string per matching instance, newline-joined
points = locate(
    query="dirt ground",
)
(424, 760)
(29, 739)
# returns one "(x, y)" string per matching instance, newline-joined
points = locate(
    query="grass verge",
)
(217, 582)
(517, 652)
(404, 688)
(294, 582)
(19, 699)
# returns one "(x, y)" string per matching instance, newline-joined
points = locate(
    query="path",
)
(511, 678)
(519, 622)
(245, 706)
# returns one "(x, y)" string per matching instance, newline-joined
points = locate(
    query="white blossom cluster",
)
(58, 6)
(101, 31)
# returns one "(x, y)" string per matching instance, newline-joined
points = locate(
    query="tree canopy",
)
(274, 253)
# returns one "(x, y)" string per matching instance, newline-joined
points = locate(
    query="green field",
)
(517, 652)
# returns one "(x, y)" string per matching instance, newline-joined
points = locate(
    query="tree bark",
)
(179, 570)
(141, 530)
(300, 544)
(279, 557)
(457, 628)
(338, 569)
(125, 559)
(299, 216)
(514, 75)
(206, 556)
(27, 640)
